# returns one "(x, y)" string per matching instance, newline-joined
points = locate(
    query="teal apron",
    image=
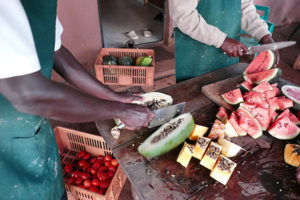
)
(193, 58)
(29, 161)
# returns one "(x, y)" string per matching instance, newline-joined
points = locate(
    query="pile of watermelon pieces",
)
(260, 105)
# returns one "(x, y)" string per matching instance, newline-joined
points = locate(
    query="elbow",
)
(24, 101)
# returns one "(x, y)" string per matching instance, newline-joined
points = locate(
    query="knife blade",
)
(272, 46)
(163, 115)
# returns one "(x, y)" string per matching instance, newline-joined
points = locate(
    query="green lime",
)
(147, 61)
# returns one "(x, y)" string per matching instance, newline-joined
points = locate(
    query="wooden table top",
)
(260, 174)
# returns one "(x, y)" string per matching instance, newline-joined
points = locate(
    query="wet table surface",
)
(260, 174)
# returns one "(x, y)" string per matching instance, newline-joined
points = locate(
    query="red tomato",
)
(85, 176)
(78, 181)
(100, 157)
(103, 169)
(107, 163)
(104, 184)
(99, 174)
(81, 154)
(93, 171)
(93, 160)
(86, 156)
(114, 162)
(93, 189)
(76, 174)
(86, 166)
(81, 163)
(87, 183)
(97, 164)
(72, 180)
(95, 182)
(111, 174)
(104, 177)
(68, 168)
(101, 191)
(107, 158)
(112, 168)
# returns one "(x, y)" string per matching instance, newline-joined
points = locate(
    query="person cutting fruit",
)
(30, 48)
(205, 29)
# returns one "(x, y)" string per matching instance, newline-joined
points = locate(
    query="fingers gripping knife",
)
(163, 115)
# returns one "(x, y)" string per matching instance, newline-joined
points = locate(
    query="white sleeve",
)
(17, 50)
(251, 21)
(58, 32)
(185, 16)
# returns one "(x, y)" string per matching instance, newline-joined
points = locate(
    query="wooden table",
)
(261, 173)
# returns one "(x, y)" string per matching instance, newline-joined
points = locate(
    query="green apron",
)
(193, 58)
(29, 161)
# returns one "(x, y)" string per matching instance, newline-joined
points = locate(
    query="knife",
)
(163, 115)
(272, 46)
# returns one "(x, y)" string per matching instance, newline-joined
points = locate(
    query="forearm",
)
(40, 96)
(71, 70)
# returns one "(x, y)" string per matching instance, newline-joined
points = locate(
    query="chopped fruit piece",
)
(229, 149)
(229, 130)
(198, 131)
(211, 155)
(273, 114)
(245, 86)
(292, 154)
(200, 147)
(263, 87)
(273, 103)
(274, 85)
(222, 114)
(284, 129)
(290, 115)
(185, 154)
(256, 98)
(223, 170)
(270, 94)
(217, 130)
(234, 123)
(284, 103)
(233, 97)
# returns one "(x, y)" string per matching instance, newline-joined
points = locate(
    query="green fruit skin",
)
(169, 145)
(125, 60)
(109, 60)
(296, 105)
(138, 61)
(147, 61)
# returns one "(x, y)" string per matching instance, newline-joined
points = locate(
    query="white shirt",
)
(18, 55)
(185, 16)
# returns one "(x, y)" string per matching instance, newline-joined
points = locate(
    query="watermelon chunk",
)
(284, 103)
(263, 87)
(270, 94)
(256, 98)
(284, 129)
(273, 114)
(259, 113)
(287, 113)
(248, 123)
(293, 93)
(245, 86)
(222, 114)
(274, 85)
(259, 77)
(263, 61)
(233, 97)
(234, 123)
(273, 103)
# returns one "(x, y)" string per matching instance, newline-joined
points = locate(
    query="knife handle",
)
(248, 53)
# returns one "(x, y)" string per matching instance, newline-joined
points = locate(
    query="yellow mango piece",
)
(185, 154)
(198, 131)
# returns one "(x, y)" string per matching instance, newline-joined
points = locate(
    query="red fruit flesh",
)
(284, 128)
(287, 113)
(222, 114)
(259, 77)
(270, 94)
(263, 87)
(259, 113)
(256, 98)
(284, 103)
(233, 97)
(234, 123)
(259, 63)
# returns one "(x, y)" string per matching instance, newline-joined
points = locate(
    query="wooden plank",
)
(297, 63)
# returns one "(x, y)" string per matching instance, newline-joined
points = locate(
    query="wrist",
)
(266, 39)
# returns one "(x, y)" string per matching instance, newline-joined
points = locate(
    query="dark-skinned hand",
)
(234, 48)
(128, 97)
(136, 116)
(267, 39)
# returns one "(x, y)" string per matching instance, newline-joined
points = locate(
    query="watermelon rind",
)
(291, 116)
(276, 73)
(285, 89)
(155, 145)
(267, 67)
(279, 133)
(246, 86)
(259, 131)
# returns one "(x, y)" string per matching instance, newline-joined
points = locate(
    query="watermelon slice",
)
(263, 87)
(273, 103)
(234, 123)
(293, 93)
(287, 113)
(222, 114)
(284, 103)
(259, 113)
(270, 94)
(274, 85)
(263, 61)
(284, 129)
(248, 123)
(273, 114)
(259, 77)
(233, 97)
(245, 86)
(256, 98)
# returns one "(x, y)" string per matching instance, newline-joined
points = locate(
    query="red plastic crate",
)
(69, 143)
(125, 75)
